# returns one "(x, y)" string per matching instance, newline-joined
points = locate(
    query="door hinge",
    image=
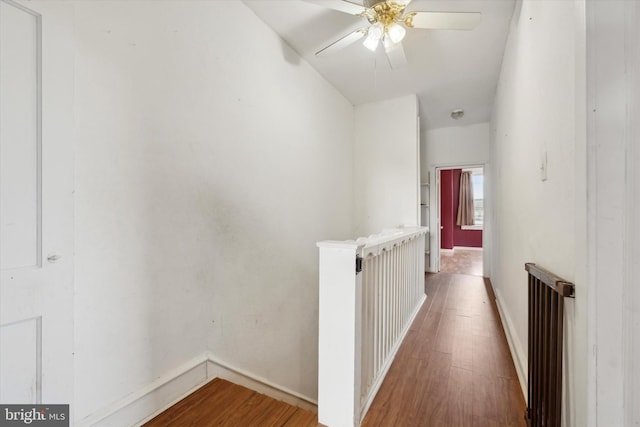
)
(358, 264)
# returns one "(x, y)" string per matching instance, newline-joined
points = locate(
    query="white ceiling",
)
(447, 69)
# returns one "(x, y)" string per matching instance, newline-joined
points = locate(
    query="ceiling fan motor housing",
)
(389, 22)
(386, 13)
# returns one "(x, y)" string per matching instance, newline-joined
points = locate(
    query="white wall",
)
(207, 166)
(386, 165)
(613, 68)
(456, 146)
(538, 111)
(453, 146)
(632, 307)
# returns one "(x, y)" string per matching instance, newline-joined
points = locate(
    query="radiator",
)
(546, 308)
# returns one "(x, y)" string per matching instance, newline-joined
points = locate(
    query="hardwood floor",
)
(221, 403)
(462, 261)
(453, 369)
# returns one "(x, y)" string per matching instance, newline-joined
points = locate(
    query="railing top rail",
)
(377, 242)
(561, 286)
(389, 238)
(338, 244)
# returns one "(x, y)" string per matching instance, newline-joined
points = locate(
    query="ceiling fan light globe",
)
(374, 34)
(376, 30)
(396, 32)
(387, 43)
(371, 43)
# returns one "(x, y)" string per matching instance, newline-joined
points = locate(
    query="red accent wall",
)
(446, 209)
(452, 234)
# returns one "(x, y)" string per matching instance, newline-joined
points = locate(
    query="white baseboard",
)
(447, 251)
(220, 369)
(517, 352)
(161, 393)
(144, 404)
(467, 248)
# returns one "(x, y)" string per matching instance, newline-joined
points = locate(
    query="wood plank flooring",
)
(462, 261)
(453, 369)
(221, 403)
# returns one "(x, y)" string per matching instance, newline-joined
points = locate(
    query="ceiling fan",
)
(388, 22)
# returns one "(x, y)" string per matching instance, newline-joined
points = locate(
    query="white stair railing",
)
(364, 316)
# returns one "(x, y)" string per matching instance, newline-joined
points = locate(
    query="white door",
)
(36, 205)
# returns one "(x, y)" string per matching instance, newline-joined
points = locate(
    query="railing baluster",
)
(403, 296)
(370, 355)
(386, 296)
(546, 302)
(366, 312)
(387, 311)
(398, 291)
(392, 291)
(378, 331)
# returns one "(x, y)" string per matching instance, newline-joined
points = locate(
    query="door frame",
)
(434, 219)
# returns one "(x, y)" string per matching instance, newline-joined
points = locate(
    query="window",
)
(478, 198)
(477, 181)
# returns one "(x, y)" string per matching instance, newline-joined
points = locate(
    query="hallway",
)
(454, 367)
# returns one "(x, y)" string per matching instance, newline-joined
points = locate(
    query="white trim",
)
(38, 125)
(434, 265)
(467, 248)
(338, 244)
(221, 369)
(518, 354)
(447, 251)
(472, 227)
(474, 171)
(151, 400)
(39, 255)
(38, 359)
(161, 393)
(419, 186)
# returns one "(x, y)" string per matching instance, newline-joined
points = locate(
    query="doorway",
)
(460, 210)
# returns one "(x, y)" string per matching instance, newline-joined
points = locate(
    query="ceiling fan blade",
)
(445, 20)
(371, 3)
(395, 54)
(345, 6)
(343, 42)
